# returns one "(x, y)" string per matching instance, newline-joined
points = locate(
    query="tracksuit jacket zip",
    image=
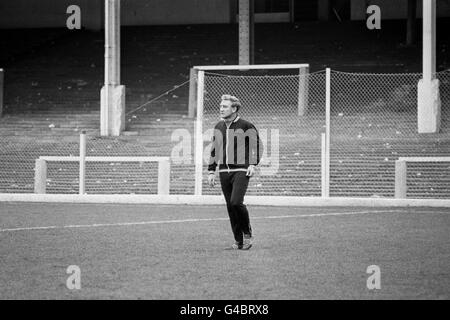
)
(249, 154)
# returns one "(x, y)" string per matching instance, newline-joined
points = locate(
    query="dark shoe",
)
(248, 242)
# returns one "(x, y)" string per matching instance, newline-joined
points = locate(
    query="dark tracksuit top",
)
(235, 154)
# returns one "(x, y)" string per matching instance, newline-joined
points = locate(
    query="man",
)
(237, 149)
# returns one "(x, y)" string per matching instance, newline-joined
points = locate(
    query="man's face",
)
(226, 111)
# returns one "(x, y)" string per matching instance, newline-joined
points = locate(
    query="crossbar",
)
(303, 82)
(40, 171)
(401, 172)
(253, 67)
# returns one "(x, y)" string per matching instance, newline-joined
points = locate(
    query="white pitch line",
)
(97, 225)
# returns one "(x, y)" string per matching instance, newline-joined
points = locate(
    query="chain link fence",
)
(373, 123)
(150, 123)
(18, 164)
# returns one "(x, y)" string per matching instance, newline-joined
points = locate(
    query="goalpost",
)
(287, 107)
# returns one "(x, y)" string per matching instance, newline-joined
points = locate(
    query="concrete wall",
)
(395, 9)
(47, 13)
(52, 13)
(163, 12)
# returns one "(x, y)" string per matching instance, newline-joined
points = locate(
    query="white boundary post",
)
(82, 176)
(164, 177)
(199, 134)
(40, 176)
(327, 131)
(400, 179)
(323, 165)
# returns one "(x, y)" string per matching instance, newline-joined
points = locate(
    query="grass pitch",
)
(179, 252)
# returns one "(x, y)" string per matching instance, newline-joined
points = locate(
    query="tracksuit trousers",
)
(234, 186)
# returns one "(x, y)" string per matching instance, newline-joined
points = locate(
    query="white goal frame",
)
(199, 73)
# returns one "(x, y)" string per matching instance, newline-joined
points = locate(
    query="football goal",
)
(286, 104)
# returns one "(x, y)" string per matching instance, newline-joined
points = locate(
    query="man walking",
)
(237, 149)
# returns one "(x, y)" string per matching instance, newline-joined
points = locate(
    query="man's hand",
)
(251, 170)
(212, 179)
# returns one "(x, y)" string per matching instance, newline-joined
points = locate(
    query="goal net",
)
(286, 103)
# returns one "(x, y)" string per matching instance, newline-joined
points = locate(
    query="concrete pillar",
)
(428, 99)
(246, 33)
(112, 112)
